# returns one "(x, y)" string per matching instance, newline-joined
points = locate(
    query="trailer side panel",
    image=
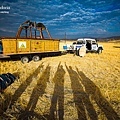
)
(9, 46)
(25, 45)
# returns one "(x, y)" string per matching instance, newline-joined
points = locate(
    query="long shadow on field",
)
(39, 89)
(81, 98)
(37, 92)
(116, 46)
(58, 95)
(4, 102)
(93, 90)
(24, 85)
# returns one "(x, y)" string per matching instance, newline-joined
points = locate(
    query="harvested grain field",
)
(64, 87)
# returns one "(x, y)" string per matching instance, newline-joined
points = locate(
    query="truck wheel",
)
(99, 50)
(25, 59)
(36, 58)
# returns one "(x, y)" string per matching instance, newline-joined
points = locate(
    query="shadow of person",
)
(81, 98)
(4, 102)
(24, 85)
(93, 91)
(39, 89)
(37, 92)
(58, 95)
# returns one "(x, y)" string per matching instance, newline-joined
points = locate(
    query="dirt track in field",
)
(65, 87)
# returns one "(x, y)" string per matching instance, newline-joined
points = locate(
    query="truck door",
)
(94, 45)
(88, 45)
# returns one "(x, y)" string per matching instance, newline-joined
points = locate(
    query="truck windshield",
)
(93, 42)
(80, 42)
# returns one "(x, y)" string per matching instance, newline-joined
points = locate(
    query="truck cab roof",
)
(84, 39)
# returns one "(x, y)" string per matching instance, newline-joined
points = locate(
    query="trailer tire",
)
(36, 58)
(25, 59)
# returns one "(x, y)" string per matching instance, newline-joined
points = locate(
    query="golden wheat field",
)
(64, 87)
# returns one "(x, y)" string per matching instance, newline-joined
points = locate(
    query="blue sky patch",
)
(76, 18)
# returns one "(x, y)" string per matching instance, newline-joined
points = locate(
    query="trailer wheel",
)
(36, 58)
(25, 59)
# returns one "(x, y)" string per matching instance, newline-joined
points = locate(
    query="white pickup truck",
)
(91, 45)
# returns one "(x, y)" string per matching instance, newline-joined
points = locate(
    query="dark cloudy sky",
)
(76, 18)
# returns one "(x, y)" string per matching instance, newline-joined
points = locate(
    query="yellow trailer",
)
(25, 45)
(31, 46)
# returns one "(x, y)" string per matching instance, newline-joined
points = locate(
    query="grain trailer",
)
(29, 43)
